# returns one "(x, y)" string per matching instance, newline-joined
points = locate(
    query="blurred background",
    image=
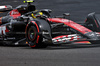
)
(77, 8)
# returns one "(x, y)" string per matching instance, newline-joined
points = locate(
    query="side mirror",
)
(66, 14)
(5, 8)
(46, 10)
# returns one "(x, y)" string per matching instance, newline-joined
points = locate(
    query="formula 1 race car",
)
(38, 29)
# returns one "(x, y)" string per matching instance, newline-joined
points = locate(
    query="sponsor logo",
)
(45, 39)
(64, 20)
(92, 34)
(45, 32)
(2, 30)
(14, 13)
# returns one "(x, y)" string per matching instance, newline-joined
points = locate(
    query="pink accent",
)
(71, 24)
(85, 20)
(82, 42)
(36, 25)
(98, 32)
(14, 13)
(37, 39)
(60, 36)
(6, 30)
(38, 31)
(32, 46)
(5, 6)
(96, 23)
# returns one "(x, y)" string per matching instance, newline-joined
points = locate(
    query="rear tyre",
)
(34, 40)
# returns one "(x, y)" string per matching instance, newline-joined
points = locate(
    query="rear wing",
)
(5, 8)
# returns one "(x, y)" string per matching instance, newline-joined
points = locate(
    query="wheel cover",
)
(32, 34)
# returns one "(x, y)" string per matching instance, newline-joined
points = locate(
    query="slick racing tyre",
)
(34, 40)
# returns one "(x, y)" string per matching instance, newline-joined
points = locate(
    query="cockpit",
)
(25, 8)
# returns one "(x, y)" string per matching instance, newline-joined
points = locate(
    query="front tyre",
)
(34, 40)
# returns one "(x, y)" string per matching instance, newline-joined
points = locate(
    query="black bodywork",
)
(16, 28)
(34, 27)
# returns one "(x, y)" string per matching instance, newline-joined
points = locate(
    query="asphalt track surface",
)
(65, 55)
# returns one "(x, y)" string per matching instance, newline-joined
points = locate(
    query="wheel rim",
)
(32, 34)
